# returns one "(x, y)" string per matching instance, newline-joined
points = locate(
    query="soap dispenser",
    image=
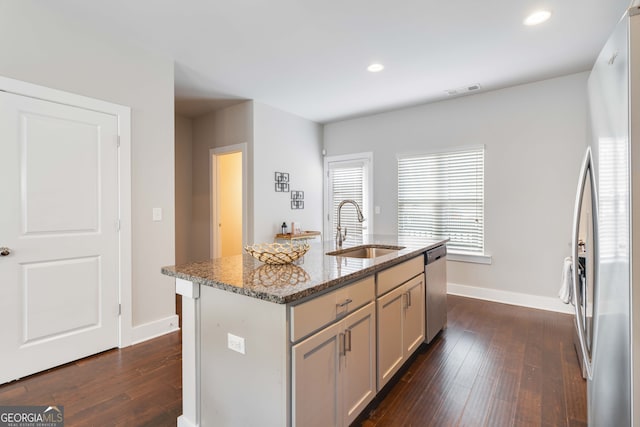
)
(284, 228)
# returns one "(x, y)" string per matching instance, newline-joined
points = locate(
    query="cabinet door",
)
(316, 383)
(414, 321)
(359, 375)
(390, 336)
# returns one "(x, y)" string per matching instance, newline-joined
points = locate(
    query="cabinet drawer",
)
(318, 312)
(397, 275)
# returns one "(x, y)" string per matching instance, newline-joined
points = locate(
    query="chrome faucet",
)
(342, 237)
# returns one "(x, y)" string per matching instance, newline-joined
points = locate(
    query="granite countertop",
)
(314, 273)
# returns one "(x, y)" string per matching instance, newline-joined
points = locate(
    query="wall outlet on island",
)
(235, 343)
(157, 214)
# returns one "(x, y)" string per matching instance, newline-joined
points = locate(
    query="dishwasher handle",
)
(436, 253)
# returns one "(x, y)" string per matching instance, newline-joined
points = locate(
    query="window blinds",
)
(441, 195)
(346, 181)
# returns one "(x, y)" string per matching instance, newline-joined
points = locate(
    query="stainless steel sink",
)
(366, 251)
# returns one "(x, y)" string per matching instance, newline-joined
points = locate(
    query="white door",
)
(228, 192)
(58, 217)
(228, 195)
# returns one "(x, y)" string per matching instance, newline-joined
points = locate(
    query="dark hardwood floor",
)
(494, 365)
(135, 386)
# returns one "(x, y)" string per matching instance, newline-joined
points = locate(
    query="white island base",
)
(222, 387)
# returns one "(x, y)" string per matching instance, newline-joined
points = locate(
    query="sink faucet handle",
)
(344, 237)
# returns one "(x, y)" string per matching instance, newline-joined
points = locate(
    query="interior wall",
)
(287, 143)
(230, 197)
(183, 162)
(534, 136)
(228, 126)
(39, 46)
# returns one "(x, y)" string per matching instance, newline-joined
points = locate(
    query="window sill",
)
(466, 257)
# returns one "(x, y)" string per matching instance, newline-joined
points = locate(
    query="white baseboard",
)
(154, 329)
(183, 422)
(513, 298)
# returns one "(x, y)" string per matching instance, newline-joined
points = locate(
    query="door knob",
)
(4, 251)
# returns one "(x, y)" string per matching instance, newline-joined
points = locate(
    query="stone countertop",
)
(314, 273)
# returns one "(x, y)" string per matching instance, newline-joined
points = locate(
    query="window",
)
(348, 177)
(441, 195)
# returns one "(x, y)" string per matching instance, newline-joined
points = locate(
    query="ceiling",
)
(310, 57)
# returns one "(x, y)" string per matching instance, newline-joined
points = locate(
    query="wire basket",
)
(277, 253)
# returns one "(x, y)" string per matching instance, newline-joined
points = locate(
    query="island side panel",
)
(190, 353)
(250, 389)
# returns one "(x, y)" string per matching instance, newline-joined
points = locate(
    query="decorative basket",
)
(277, 253)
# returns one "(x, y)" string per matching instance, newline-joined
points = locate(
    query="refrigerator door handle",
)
(585, 173)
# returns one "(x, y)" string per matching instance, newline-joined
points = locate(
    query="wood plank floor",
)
(135, 386)
(494, 365)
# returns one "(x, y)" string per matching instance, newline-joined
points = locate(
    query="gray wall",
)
(184, 179)
(228, 126)
(284, 142)
(40, 47)
(535, 136)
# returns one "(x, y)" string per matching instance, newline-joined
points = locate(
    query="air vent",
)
(463, 90)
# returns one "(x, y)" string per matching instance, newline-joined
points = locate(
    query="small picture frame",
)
(282, 187)
(282, 182)
(297, 204)
(297, 195)
(281, 177)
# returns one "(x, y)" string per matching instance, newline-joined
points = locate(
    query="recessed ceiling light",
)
(537, 17)
(374, 68)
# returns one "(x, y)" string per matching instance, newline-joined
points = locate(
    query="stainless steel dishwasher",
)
(435, 271)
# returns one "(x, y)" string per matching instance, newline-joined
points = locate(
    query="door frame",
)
(367, 160)
(123, 116)
(214, 243)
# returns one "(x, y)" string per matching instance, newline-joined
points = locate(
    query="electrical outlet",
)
(377, 210)
(157, 214)
(235, 343)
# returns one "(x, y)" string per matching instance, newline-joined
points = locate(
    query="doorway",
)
(65, 270)
(228, 200)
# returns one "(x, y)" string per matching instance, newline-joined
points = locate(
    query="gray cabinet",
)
(401, 326)
(333, 371)
(316, 385)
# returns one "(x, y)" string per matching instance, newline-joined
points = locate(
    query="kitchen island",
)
(308, 343)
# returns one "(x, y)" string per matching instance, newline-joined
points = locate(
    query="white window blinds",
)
(441, 195)
(347, 180)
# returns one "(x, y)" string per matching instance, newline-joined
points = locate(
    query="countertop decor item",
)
(277, 253)
(303, 235)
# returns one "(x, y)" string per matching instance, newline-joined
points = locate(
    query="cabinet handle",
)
(342, 344)
(408, 299)
(347, 346)
(347, 301)
(405, 299)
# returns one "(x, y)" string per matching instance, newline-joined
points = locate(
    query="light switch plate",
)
(235, 343)
(157, 214)
(377, 209)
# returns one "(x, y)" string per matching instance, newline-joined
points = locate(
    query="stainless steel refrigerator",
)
(606, 241)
